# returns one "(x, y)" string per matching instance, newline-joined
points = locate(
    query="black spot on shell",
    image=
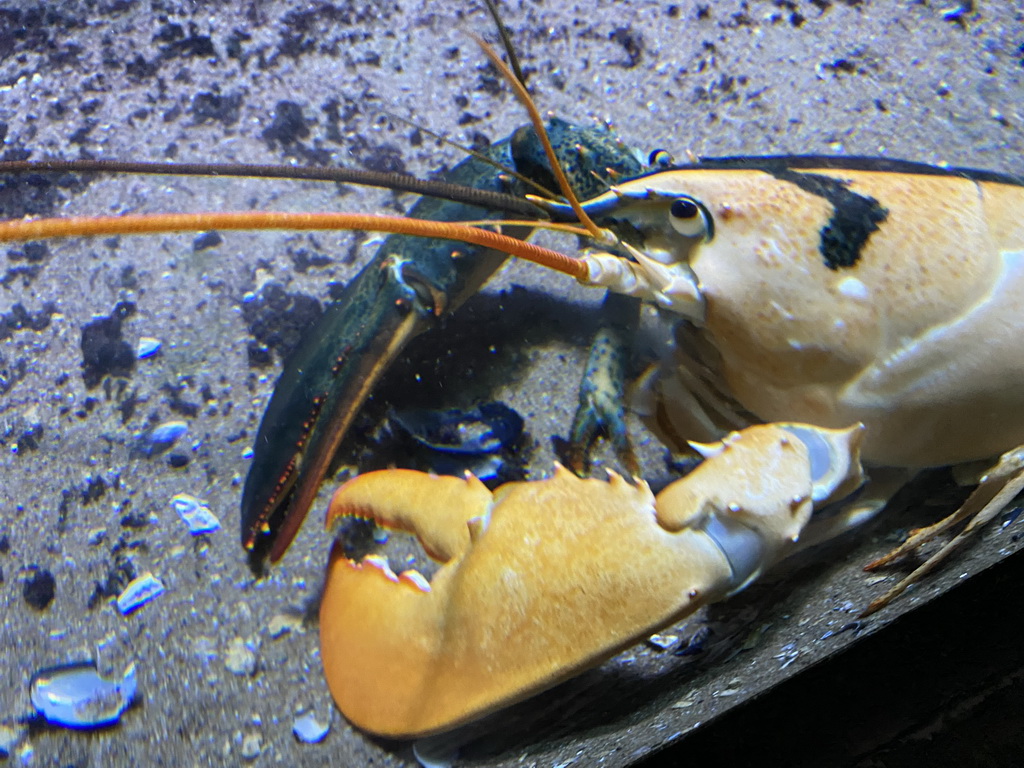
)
(854, 216)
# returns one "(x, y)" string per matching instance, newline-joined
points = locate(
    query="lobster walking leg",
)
(602, 400)
(997, 489)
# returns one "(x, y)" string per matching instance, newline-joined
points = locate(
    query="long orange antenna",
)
(79, 226)
(538, 125)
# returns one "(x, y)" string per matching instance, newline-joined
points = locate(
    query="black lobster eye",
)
(684, 208)
(689, 218)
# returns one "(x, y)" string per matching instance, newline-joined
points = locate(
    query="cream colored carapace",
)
(833, 291)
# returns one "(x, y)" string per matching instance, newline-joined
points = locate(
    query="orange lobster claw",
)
(531, 571)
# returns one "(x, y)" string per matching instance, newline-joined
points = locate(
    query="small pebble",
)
(139, 592)
(240, 659)
(662, 642)
(168, 431)
(177, 460)
(160, 438)
(96, 536)
(206, 240)
(39, 588)
(309, 730)
(195, 513)
(283, 623)
(9, 739)
(205, 648)
(252, 745)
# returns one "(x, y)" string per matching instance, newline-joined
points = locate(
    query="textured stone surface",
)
(307, 82)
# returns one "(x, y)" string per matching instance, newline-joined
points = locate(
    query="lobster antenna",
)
(475, 154)
(538, 126)
(506, 42)
(139, 224)
(399, 182)
(513, 60)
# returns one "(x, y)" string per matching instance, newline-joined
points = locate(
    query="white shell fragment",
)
(139, 592)
(160, 438)
(76, 696)
(168, 431)
(147, 347)
(309, 730)
(662, 642)
(195, 513)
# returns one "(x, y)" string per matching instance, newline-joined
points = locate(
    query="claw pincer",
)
(399, 295)
(541, 580)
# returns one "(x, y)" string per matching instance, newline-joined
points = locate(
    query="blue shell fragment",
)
(139, 592)
(195, 513)
(309, 730)
(483, 440)
(160, 438)
(76, 696)
(147, 347)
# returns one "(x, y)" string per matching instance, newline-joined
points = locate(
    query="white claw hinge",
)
(671, 286)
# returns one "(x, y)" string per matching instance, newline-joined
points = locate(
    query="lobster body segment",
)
(836, 294)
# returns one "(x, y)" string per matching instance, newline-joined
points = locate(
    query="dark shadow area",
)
(941, 686)
(483, 346)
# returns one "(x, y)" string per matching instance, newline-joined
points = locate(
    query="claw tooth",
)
(473, 481)
(614, 478)
(707, 450)
(381, 564)
(477, 526)
(414, 578)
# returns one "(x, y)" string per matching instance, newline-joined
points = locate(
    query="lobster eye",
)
(689, 218)
(660, 158)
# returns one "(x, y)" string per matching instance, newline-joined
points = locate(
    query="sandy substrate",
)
(225, 662)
